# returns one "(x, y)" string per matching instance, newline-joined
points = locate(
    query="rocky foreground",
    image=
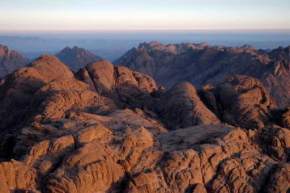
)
(111, 129)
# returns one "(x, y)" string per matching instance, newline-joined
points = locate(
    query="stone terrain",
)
(76, 58)
(202, 64)
(109, 129)
(10, 60)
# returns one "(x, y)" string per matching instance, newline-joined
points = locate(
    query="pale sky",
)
(90, 15)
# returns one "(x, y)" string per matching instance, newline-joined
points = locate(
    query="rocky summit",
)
(110, 129)
(76, 58)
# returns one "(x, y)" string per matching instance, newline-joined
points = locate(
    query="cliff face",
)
(111, 129)
(10, 60)
(201, 64)
(77, 58)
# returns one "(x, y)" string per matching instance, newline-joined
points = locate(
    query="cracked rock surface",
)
(109, 129)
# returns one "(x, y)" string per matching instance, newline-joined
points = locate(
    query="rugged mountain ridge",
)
(10, 60)
(111, 129)
(77, 58)
(202, 64)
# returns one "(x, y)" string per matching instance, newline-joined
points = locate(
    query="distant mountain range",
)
(199, 64)
(202, 64)
(76, 58)
(10, 60)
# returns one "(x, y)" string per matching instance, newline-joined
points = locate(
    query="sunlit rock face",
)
(111, 129)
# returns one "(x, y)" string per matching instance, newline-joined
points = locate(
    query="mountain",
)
(10, 60)
(107, 128)
(202, 64)
(76, 57)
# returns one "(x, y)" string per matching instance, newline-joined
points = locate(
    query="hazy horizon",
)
(113, 44)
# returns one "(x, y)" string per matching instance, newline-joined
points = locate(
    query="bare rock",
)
(58, 101)
(134, 143)
(181, 107)
(104, 133)
(279, 179)
(186, 138)
(121, 119)
(227, 161)
(146, 183)
(99, 166)
(10, 61)
(44, 91)
(276, 142)
(119, 83)
(98, 176)
(244, 102)
(101, 75)
(19, 87)
(93, 133)
(285, 118)
(199, 188)
(17, 176)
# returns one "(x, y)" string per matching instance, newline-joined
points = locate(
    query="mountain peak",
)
(76, 57)
(3, 50)
(10, 60)
(47, 57)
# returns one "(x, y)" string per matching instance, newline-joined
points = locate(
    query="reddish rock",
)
(111, 131)
(181, 107)
(279, 179)
(126, 87)
(10, 61)
(241, 101)
(276, 142)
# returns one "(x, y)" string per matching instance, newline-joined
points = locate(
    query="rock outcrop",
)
(10, 61)
(45, 90)
(241, 101)
(276, 142)
(120, 83)
(181, 107)
(285, 118)
(111, 129)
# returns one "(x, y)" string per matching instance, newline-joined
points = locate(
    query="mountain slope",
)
(114, 130)
(201, 64)
(76, 58)
(10, 60)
